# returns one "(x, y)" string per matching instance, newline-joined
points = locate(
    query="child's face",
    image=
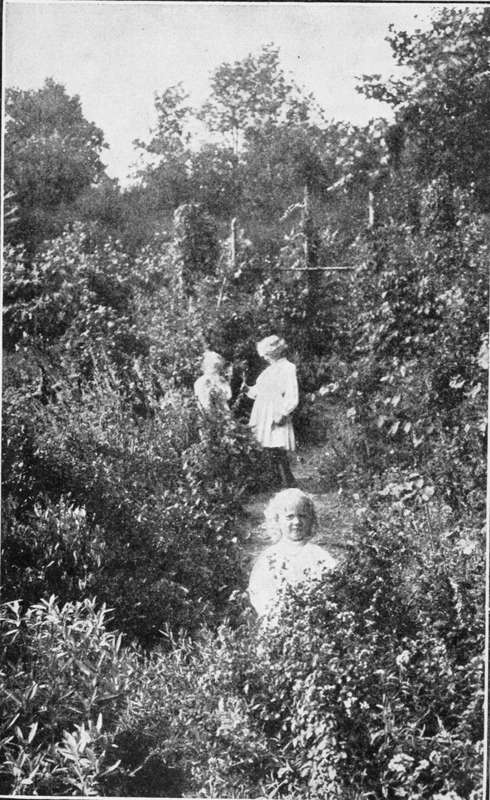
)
(295, 522)
(213, 368)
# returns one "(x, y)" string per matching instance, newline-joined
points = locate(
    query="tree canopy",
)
(52, 155)
(442, 107)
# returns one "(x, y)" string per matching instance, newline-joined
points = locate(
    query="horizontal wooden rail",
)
(315, 269)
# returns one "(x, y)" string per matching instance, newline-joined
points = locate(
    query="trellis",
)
(306, 222)
(309, 265)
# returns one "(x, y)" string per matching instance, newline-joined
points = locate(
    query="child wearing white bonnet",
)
(275, 396)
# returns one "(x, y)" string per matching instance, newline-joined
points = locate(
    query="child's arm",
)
(250, 391)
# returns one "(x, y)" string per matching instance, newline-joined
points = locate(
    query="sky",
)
(116, 55)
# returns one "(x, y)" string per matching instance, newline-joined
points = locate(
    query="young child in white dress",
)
(212, 390)
(294, 559)
(275, 396)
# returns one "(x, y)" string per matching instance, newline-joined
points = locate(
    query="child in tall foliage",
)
(212, 390)
(293, 559)
(275, 397)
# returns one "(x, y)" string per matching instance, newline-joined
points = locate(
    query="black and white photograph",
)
(245, 261)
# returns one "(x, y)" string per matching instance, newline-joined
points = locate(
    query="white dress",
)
(276, 396)
(285, 563)
(212, 392)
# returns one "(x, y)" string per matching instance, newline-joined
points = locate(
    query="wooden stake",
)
(370, 209)
(316, 269)
(232, 264)
(233, 244)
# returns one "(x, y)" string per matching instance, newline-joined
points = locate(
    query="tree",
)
(214, 180)
(52, 155)
(166, 171)
(272, 141)
(442, 111)
(246, 94)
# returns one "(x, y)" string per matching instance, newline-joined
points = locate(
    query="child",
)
(294, 558)
(275, 396)
(212, 390)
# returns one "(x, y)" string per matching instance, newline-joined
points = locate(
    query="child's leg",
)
(288, 480)
(273, 464)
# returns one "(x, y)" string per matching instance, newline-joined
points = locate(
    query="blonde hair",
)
(284, 498)
(211, 359)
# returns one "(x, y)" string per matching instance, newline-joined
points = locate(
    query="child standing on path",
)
(294, 559)
(275, 396)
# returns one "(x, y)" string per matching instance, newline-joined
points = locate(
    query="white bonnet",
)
(272, 346)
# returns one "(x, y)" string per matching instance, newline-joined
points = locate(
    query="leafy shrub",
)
(228, 455)
(416, 391)
(64, 679)
(157, 543)
(51, 549)
(186, 710)
(76, 297)
(370, 684)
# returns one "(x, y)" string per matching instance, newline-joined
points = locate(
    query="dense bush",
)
(49, 550)
(415, 391)
(139, 512)
(370, 684)
(75, 299)
(64, 679)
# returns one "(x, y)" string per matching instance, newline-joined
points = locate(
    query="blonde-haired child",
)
(212, 390)
(291, 518)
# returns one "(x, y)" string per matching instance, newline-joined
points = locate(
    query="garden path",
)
(335, 515)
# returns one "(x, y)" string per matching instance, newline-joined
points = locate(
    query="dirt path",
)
(335, 517)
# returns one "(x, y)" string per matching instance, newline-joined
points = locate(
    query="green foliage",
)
(368, 684)
(441, 108)
(52, 155)
(193, 688)
(226, 453)
(48, 550)
(73, 299)
(417, 390)
(157, 544)
(196, 248)
(63, 681)
(216, 182)
(116, 486)
(165, 175)
(248, 94)
(170, 135)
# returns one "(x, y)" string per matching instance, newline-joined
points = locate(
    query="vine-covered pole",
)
(233, 245)
(310, 244)
(370, 209)
(232, 261)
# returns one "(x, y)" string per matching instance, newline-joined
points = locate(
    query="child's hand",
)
(280, 421)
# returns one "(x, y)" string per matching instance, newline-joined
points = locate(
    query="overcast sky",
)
(116, 55)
